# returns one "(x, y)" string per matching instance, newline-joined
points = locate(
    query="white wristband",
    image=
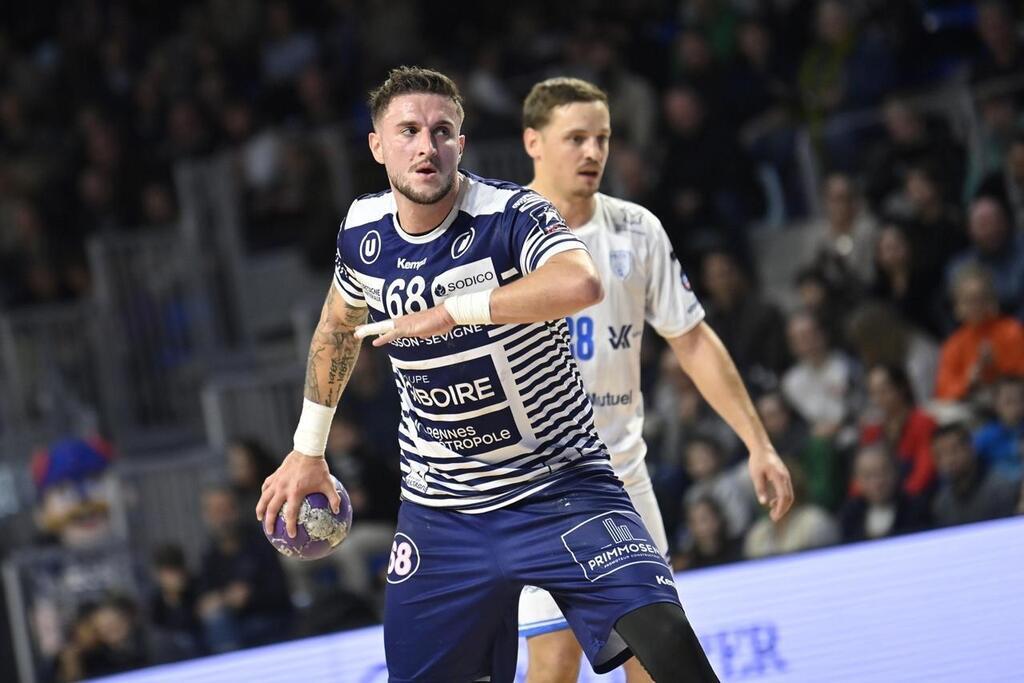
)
(314, 426)
(470, 309)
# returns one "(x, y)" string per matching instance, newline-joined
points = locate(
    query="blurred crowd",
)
(884, 347)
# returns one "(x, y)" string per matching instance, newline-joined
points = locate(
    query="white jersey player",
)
(566, 133)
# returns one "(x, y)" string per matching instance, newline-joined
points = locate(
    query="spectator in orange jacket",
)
(905, 429)
(985, 346)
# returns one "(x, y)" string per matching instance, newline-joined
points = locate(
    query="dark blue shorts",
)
(454, 579)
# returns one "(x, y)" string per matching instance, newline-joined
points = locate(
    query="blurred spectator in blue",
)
(707, 542)
(818, 385)
(996, 247)
(881, 509)
(894, 419)
(1002, 55)
(879, 336)
(846, 68)
(1007, 184)
(751, 329)
(710, 475)
(911, 140)
(1000, 442)
(243, 596)
(177, 631)
(805, 526)
(902, 283)
(970, 490)
(820, 462)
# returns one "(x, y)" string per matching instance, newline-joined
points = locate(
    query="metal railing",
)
(50, 370)
(45, 587)
(161, 329)
(262, 404)
(160, 497)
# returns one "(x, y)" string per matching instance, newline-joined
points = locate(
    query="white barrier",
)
(939, 606)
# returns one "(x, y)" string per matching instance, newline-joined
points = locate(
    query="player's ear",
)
(531, 142)
(462, 145)
(375, 147)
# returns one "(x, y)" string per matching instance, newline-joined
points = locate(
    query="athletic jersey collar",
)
(596, 221)
(442, 226)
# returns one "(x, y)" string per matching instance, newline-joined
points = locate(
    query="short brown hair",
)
(554, 92)
(405, 80)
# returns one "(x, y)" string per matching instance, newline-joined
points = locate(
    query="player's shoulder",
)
(487, 196)
(504, 201)
(626, 216)
(369, 208)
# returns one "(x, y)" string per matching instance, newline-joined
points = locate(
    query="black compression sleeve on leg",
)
(662, 639)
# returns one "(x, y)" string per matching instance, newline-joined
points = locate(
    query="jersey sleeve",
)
(348, 286)
(671, 307)
(539, 232)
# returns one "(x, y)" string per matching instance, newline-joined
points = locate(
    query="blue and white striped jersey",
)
(490, 413)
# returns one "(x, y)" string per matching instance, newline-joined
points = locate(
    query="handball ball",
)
(319, 530)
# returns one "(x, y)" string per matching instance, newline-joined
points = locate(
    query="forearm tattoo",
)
(332, 353)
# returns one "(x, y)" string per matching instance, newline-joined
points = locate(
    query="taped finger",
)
(374, 329)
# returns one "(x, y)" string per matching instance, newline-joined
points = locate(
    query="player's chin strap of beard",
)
(465, 309)
(662, 639)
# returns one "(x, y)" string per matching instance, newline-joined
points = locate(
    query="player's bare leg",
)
(554, 658)
(635, 672)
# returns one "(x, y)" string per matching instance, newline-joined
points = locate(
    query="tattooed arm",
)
(333, 350)
(332, 356)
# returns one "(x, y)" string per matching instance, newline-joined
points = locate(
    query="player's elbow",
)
(593, 290)
(588, 290)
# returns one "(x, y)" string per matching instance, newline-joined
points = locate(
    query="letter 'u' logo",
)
(618, 532)
(461, 244)
(369, 247)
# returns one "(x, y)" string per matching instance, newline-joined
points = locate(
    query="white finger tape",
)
(375, 329)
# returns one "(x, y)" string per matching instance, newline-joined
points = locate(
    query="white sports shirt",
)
(643, 281)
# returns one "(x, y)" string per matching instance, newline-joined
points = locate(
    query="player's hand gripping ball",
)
(319, 530)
